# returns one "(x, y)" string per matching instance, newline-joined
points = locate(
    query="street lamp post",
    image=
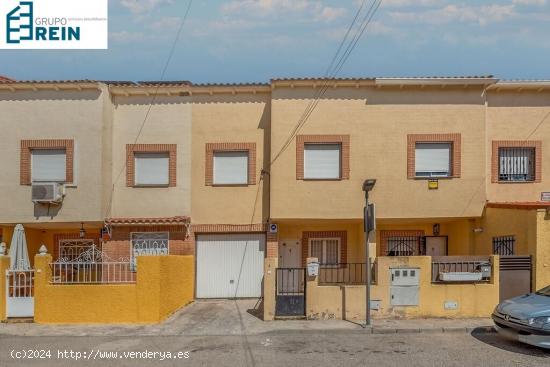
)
(369, 224)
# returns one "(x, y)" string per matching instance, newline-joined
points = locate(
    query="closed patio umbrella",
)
(19, 254)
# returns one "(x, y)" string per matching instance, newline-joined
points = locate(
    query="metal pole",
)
(367, 261)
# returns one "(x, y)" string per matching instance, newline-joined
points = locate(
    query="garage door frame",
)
(203, 294)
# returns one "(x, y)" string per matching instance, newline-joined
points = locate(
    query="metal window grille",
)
(403, 245)
(72, 249)
(516, 164)
(504, 245)
(148, 243)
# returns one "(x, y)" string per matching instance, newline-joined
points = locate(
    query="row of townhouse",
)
(235, 175)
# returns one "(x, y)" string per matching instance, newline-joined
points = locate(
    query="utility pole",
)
(369, 224)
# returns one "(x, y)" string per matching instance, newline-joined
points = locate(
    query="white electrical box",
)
(405, 286)
(313, 269)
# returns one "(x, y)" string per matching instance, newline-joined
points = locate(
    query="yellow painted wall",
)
(378, 121)
(164, 284)
(292, 230)
(518, 116)
(542, 263)
(4, 265)
(227, 118)
(474, 300)
(168, 122)
(50, 114)
(506, 222)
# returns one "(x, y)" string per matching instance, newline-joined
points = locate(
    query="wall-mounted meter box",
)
(405, 286)
(313, 269)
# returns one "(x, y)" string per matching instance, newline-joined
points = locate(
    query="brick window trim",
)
(342, 235)
(456, 145)
(212, 148)
(27, 146)
(497, 144)
(343, 140)
(385, 234)
(131, 149)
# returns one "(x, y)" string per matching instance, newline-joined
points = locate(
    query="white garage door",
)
(230, 265)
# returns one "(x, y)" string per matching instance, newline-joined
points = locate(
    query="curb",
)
(443, 330)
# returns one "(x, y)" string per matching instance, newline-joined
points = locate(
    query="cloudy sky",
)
(255, 40)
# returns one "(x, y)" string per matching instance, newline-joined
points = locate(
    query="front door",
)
(436, 246)
(290, 254)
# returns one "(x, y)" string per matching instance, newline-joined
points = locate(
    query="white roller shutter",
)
(230, 265)
(231, 168)
(433, 159)
(322, 161)
(48, 165)
(151, 168)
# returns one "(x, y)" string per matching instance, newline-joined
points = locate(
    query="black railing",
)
(504, 245)
(448, 264)
(345, 273)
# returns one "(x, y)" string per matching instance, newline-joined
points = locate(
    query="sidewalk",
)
(229, 317)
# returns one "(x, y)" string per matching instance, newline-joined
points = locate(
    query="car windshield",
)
(544, 292)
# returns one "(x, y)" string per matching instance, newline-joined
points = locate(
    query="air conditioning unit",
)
(48, 192)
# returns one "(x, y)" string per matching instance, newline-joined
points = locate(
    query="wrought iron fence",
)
(404, 245)
(466, 264)
(72, 249)
(345, 273)
(92, 267)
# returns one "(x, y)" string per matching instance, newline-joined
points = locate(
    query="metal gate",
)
(515, 276)
(19, 293)
(290, 292)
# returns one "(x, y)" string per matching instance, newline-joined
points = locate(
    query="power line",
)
(153, 99)
(333, 69)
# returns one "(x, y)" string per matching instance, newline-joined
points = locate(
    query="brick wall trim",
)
(229, 228)
(343, 140)
(456, 145)
(497, 144)
(342, 235)
(131, 149)
(212, 148)
(27, 146)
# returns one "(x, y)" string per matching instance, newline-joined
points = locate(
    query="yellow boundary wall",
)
(163, 285)
(348, 302)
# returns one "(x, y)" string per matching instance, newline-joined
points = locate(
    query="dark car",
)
(525, 318)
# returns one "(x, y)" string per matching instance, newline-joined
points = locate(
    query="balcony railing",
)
(345, 273)
(461, 264)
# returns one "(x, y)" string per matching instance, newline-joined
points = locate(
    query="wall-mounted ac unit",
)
(48, 192)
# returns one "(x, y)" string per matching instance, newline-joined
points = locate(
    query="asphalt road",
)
(297, 348)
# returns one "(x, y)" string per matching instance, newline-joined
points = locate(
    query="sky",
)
(256, 40)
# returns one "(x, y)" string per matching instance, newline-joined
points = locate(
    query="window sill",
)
(321, 179)
(433, 178)
(516, 182)
(230, 185)
(150, 186)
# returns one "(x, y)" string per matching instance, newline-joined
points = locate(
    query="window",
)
(230, 168)
(322, 161)
(504, 245)
(148, 243)
(327, 250)
(151, 169)
(433, 159)
(403, 245)
(48, 165)
(516, 164)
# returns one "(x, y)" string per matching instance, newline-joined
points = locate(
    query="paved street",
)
(227, 333)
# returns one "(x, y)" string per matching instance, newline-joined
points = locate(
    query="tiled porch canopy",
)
(178, 220)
